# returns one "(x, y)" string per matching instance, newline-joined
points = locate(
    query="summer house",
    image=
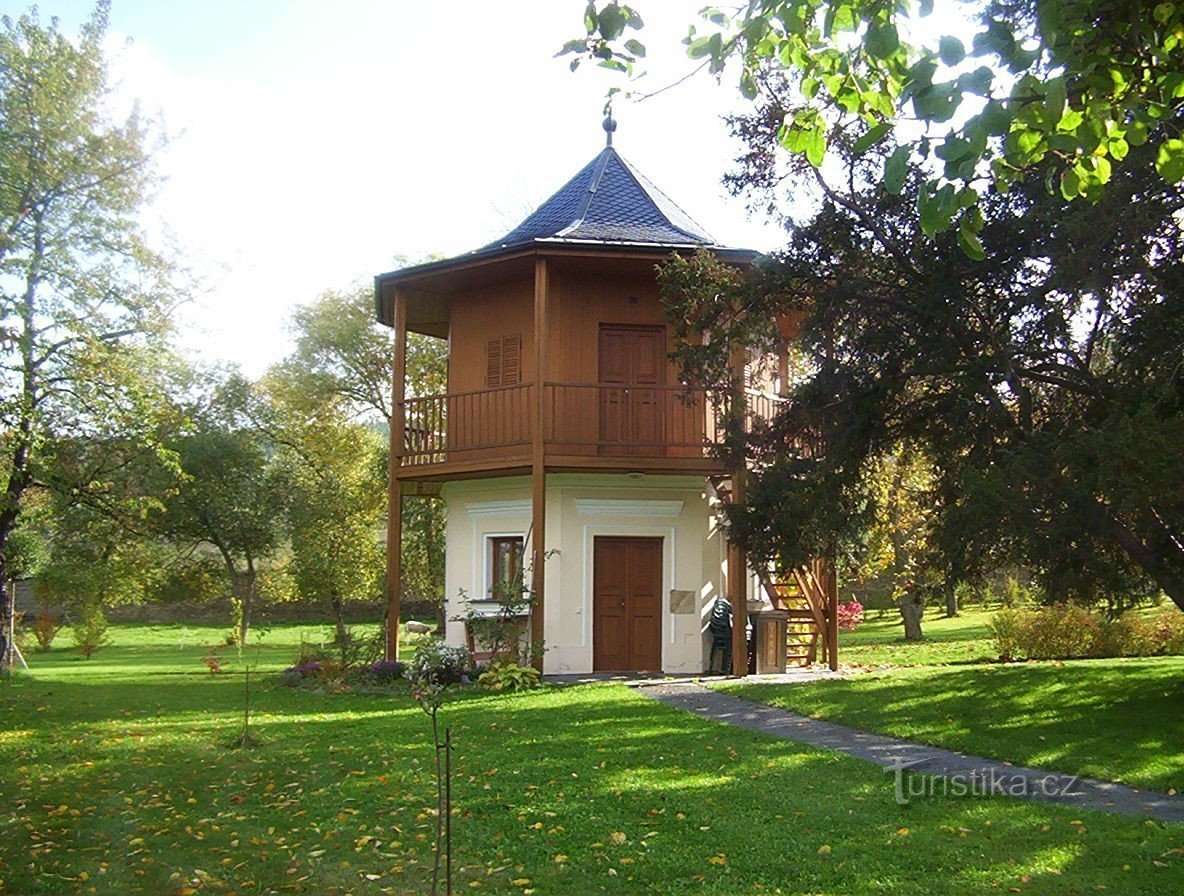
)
(569, 454)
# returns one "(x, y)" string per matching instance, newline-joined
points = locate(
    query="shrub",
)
(212, 661)
(507, 675)
(1068, 631)
(46, 626)
(436, 663)
(302, 672)
(1005, 627)
(387, 670)
(90, 630)
(850, 614)
(310, 653)
(1060, 632)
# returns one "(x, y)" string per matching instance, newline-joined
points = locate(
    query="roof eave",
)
(490, 253)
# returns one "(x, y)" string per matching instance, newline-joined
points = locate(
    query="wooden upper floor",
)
(556, 356)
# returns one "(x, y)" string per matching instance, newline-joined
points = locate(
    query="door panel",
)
(627, 604)
(631, 416)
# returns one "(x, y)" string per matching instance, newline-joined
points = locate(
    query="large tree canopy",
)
(1046, 382)
(1059, 87)
(82, 298)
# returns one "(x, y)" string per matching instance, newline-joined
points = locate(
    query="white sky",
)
(317, 143)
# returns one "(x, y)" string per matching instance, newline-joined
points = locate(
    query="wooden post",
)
(737, 556)
(832, 616)
(538, 471)
(394, 526)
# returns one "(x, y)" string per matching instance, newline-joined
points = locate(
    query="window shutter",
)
(493, 363)
(511, 360)
(503, 361)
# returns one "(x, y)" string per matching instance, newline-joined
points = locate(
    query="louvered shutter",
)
(511, 360)
(503, 361)
(493, 363)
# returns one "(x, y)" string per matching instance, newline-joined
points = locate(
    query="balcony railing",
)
(579, 419)
(439, 427)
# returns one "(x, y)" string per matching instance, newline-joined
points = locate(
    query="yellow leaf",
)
(561, 858)
(521, 882)
(617, 838)
(904, 832)
(718, 860)
(824, 850)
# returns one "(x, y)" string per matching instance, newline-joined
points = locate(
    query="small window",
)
(503, 361)
(505, 566)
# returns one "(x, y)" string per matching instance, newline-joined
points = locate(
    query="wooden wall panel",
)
(581, 303)
(503, 309)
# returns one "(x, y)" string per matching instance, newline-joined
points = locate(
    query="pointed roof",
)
(608, 201)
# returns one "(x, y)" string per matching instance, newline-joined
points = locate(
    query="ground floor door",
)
(627, 604)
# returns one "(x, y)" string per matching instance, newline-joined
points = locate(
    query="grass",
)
(1112, 719)
(115, 781)
(879, 640)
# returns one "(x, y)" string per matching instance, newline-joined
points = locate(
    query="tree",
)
(344, 360)
(83, 299)
(894, 556)
(337, 496)
(1043, 381)
(343, 353)
(233, 491)
(1060, 89)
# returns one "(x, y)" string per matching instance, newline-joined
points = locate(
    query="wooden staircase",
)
(797, 592)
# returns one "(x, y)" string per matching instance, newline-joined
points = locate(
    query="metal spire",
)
(610, 123)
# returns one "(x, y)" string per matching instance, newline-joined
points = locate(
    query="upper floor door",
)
(632, 374)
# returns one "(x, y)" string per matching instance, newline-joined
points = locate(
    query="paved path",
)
(972, 773)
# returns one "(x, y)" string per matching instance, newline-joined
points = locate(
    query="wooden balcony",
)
(586, 426)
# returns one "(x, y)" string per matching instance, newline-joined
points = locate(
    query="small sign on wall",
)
(682, 603)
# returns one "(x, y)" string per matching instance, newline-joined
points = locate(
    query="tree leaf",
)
(873, 136)
(1169, 160)
(951, 50)
(881, 41)
(896, 169)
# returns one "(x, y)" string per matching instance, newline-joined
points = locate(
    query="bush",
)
(90, 630)
(507, 675)
(850, 614)
(1005, 627)
(1067, 631)
(301, 672)
(385, 671)
(1061, 632)
(436, 663)
(46, 626)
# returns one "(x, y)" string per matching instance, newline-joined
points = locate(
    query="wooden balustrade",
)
(442, 427)
(593, 419)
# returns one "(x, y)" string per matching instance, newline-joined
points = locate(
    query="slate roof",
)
(608, 201)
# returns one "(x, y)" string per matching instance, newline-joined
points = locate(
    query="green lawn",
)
(115, 780)
(879, 640)
(1113, 719)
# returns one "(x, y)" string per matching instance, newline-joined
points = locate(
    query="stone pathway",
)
(972, 774)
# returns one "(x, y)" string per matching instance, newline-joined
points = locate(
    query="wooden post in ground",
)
(832, 615)
(394, 526)
(538, 469)
(737, 556)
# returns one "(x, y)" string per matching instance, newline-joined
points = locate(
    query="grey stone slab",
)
(896, 755)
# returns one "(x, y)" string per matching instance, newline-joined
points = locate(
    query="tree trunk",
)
(951, 602)
(243, 584)
(339, 617)
(7, 635)
(911, 608)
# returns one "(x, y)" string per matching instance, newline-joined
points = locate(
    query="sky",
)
(314, 145)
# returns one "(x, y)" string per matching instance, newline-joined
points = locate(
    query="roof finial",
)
(610, 123)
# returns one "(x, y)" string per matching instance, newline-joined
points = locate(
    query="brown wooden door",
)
(631, 359)
(627, 604)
